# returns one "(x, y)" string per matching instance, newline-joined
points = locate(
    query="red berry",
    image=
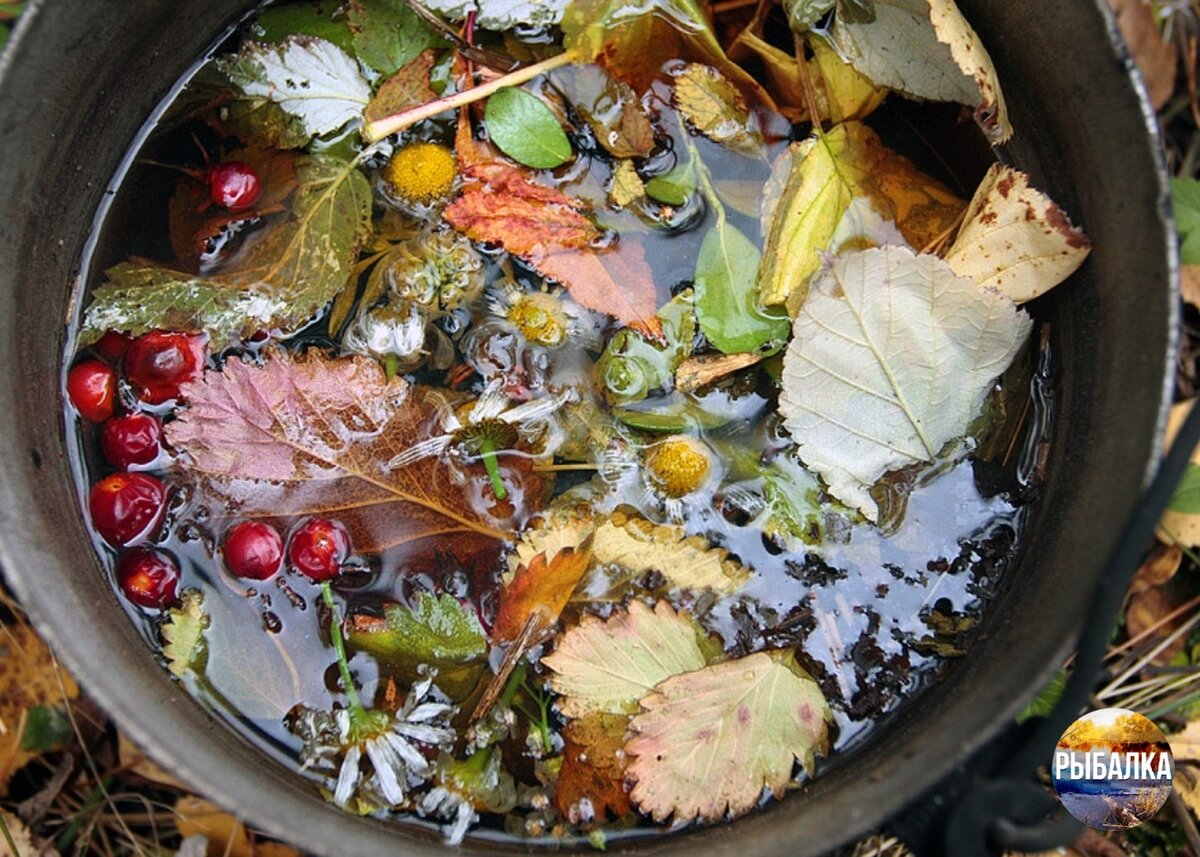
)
(127, 507)
(318, 548)
(112, 345)
(157, 363)
(148, 577)
(132, 439)
(234, 185)
(253, 550)
(92, 386)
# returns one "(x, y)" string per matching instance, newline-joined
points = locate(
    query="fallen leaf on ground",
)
(1159, 567)
(1014, 239)
(29, 677)
(607, 666)
(892, 356)
(540, 590)
(1147, 609)
(1180, 522)
(407, 88)
(1156, 60)
(593, 769)
(706, 743)
(23, 839)
(132, 759)
(227, 837)
(312, 435)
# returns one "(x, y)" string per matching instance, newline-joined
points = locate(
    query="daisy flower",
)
(545, 317)
(674, 476)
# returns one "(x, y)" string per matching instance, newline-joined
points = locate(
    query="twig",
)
(1185, 821)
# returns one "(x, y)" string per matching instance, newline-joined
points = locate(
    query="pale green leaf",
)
(707, 743)
(726, 298)
(523, 127)
(1186, 499)
(674, 187)
(802, 14)
(892, 356)
(1185, 194)
(609, 665)
(183, 634)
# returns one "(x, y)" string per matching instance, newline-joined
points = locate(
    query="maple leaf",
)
(310, 435)
(607, 666)
(707, 742)
(408, 87)
(593, 769)
(540, 590)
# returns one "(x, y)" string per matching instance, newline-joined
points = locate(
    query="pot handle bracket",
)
(994, 802)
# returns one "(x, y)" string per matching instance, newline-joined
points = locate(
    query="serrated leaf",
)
(708, 742)
(611, 108)
(892, 356)
(183, 634)
(387, 34)
(287, 270)
(726, 298)
(1014, 239)
(310, 78)
(312, 435)
(407, 88)
(540, 590)
(523, 127)
(593, 769)
(213, 96)
(927, 50)
(320, 20)
(607, 666)
(625, 187)
(502, 15)
(715, 108)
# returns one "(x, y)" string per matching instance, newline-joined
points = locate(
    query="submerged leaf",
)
(611, 108)
(285, 273)
(726, 298)
(523, 128)
(1014, 239)
(593, 769)
(607, 666)
(310, 78)
(892, 356)
(388, 35)
(183, 634)
(674, 187)
(616, 281)
(716, 109)
(626, 186)
(407, 88)
(311, 435)
(540, 590)
(319, 19)
(708, 742)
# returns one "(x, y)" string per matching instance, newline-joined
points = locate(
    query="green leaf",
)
(435, 631)
(183, 634)
(320, 19)
(525, 129)
(46, 727)
(1185, 194)
(1047, 698)
(802, 14)
(1186, 499)
(727, 296)
(387, 34)
(286, 272)
(675, 187)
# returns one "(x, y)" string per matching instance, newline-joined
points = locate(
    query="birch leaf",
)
(927, 50)
(708, 742)
(607, 666)
(183, 634)
(626, 186)
(892, 356)
(716, 109)
(1014, 239)
(311, 79)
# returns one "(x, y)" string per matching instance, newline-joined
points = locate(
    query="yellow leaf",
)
(842, 91)
(973, 60)
(716, 109)
(626, 186)
(1014, 239)
(227, 837)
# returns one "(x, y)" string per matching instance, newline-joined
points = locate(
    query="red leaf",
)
(616, 281)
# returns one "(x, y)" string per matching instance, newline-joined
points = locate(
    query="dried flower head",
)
(421, 174)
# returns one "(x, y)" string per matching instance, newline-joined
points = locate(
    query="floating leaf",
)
(320, 20)
(674, 187)
(842, 91)
(925, 49)
(183, 634)
(435, 631)
(1014, 239)
(387, 34)
(312, 79)
(310, 435)
(502, 15)
(285, 273)
(540, 589)
(523, 127)
(408, 87)
(892, 356)
(1185, 194)
(593, 769)
(607, 666)
(816, 182)
(612, 109)
(616, 281)
(708, 742)
(715, 108)
(726, 299)
(625, 187)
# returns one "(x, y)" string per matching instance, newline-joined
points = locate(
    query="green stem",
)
(487, 450)
(705, 180)
(375, 131)
(357, 712)
(391, 365)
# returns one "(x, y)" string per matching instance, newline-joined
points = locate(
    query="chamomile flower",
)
(672, 477)
(395, 330)
(440, 271)
(544, 317)
(419, 176)
(381, 757)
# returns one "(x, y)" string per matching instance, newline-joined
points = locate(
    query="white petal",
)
(456, 832)
(429, 448)
(424, 733)
(384, 758)
(348, 777)
(491, 402)
(427, 711)
(417, 763)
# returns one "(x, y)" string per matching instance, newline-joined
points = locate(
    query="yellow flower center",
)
(678, 466)
(539, 319)
(421, 173)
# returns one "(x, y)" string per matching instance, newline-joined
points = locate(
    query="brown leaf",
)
(194, 219)
(1189, 284)
(593, 768)
(611, 108)
(1155, 59)
(312, 435)
(699, 371)
(616, 281)
(227, 837)
(1147, 609)
(1159, 567)
(540, 589)
(407, 88)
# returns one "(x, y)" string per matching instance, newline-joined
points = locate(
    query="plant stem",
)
(67, 838)
(391, 364)
(487, 450)
(357, 712)
(375, 131)
(12, 846)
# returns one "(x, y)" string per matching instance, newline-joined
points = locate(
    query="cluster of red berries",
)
(317, 548)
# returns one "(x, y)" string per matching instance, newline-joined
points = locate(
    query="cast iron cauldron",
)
(80, 80)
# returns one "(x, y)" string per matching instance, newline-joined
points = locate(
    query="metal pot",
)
(78, 83)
